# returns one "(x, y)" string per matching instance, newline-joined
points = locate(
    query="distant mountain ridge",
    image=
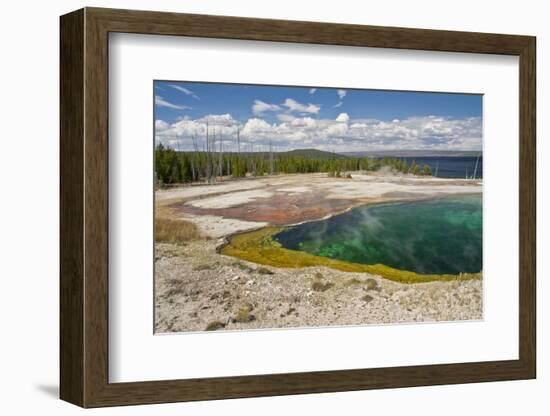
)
(306, 153)
(415, 153)
(314, 154)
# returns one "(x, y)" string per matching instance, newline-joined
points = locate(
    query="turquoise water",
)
(436, 236)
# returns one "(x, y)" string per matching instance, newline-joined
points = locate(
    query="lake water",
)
(436, 236)
(451, 167)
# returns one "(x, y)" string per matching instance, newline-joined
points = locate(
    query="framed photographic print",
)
(260, 207)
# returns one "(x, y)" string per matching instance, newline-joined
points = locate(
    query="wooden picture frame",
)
(84, 207)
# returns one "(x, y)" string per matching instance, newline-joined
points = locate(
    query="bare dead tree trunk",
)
(213, 163)
(178, 149)
(194, 174)
(220, 163)
(270, 158)
(475, 169)
(229, 157)
(208, 155)
(252, 159)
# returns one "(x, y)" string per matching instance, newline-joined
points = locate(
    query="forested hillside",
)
(179, 167)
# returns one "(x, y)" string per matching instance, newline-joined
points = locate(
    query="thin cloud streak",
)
(185, 91)
(161, 102)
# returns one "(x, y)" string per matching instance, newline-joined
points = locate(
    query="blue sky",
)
(325, 118)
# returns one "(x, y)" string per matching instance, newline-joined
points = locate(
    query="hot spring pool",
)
(436, 236)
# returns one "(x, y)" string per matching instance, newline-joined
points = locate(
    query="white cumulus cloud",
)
(260, 107)
(294, 105)
(342, 134)
(342, 117)
(161, 125)
(285, 117)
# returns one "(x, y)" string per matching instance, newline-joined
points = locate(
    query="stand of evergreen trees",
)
(173, 167)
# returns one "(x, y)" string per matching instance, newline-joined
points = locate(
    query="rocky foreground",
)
(198, 289)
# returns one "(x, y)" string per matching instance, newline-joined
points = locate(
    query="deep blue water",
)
(450, 167)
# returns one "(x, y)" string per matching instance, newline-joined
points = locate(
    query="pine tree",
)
(427, 171)
(415, 169)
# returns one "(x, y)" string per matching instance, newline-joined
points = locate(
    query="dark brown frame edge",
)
(84, 207)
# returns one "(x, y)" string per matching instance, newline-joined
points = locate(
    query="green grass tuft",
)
(367, 298)
(320, 286)
(213, 326)
(371, 284)
(243, 315)
(175, 231)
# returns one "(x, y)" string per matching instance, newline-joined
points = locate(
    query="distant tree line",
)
(173, 166)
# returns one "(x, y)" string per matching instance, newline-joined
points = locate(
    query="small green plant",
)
(174, 291)
(243, 267)
(320, 286)
(243, 315)
(353, 281)
(367, 298)
(204, 267)
(214, 326)
(372, 284)
(288, 312)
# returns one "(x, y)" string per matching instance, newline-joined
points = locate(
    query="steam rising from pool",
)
(439, 236)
